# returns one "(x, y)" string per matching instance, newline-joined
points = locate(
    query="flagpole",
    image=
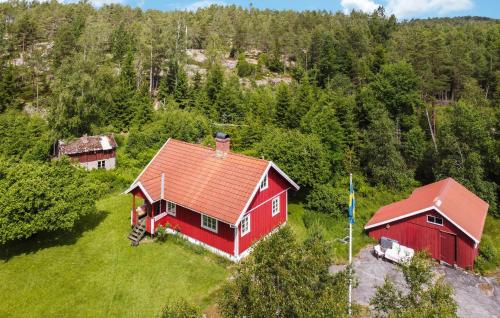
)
(350, 254)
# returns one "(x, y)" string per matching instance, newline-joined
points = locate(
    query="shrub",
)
(180, 308)
(161, 233)
(327, 199)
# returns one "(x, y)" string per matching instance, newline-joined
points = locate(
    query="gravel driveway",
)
(472, 300)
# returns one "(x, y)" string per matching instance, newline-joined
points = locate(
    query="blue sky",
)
(403, 9)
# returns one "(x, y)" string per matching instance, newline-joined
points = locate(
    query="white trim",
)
(266, 183)
(131, 216)
(160, 216)
(243, 233)
(458, 226)
(209, 228)
(234, 258)
(139, 184)
(418, 212)
(154, 157)
(284, 175)
(435, 223)
(286, 205)
(257, 186)
(152, 226)
(262, 203)
(251, 248)
(275, 199)
(175, 208)
(236, 241)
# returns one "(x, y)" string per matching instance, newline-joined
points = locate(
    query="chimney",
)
(222, 144)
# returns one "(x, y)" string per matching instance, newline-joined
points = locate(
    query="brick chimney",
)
(222, 144)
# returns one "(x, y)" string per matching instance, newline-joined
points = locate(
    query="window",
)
(276, 206)
(245, 225)
(101, 164)
(434, 220)
(263, 183)
(171, 208)
(209, 223)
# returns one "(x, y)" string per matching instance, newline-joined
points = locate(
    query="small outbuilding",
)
(92, 152)
(444, 218)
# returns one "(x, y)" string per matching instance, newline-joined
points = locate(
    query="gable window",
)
(101, 164)
(276, 206)
(264, 183)
(434, 220)
(208, 223)
(245, 225)
(171, 208)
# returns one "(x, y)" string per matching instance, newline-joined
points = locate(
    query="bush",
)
(244, 68)
(488, 258)
(327, 199)
(180, 309)
(161, 233)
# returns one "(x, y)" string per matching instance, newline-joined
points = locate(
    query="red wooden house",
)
(443, 218)
(221, 200)
(91, 152)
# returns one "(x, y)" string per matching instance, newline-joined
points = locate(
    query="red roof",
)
(448, 197)
(196, 178)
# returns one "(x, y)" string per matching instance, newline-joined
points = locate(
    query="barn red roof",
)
(196, 178)
(448, 197)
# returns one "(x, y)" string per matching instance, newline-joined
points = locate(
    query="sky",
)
(402, 9)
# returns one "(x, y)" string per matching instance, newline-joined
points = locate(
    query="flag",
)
(352, 202)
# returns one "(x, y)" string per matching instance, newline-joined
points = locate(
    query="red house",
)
(443, 218)
(215, 198)
(91, 152)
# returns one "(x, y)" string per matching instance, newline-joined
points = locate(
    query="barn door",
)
(448, 248)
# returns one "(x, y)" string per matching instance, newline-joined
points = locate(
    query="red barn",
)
(443, 218)
(215, 198)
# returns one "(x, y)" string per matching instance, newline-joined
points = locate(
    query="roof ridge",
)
(443, 189)
(213, 150)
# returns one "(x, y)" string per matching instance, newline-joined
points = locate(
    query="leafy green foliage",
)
(180, 308)
(303, 157)
(426, 296)
(382, 159)
(327, 199)
(284, 278)
(243, 68)
(43, 197)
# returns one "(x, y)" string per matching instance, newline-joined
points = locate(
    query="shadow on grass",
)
(45, 240)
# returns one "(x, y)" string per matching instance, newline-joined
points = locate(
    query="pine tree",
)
(283, 100)
(383, 161)
(122, 111)
(8, 88)
(215, 82)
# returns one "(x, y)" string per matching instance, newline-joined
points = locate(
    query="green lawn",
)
(93, 272)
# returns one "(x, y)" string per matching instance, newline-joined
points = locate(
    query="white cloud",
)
(203, 4)
(360, 5)
(411, 8)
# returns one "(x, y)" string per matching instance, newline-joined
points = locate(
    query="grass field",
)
(93, 272)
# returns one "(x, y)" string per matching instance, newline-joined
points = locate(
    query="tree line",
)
(397, 103)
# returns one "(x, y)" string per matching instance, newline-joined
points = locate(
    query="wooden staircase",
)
(137, 234)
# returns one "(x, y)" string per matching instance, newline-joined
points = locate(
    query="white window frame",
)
(434, 218)
(275, 206)
(171, 208)
(245, 220)
(101, 164)
(208, 221)
(264, 184)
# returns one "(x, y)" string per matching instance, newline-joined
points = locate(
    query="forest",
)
(322, 94)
